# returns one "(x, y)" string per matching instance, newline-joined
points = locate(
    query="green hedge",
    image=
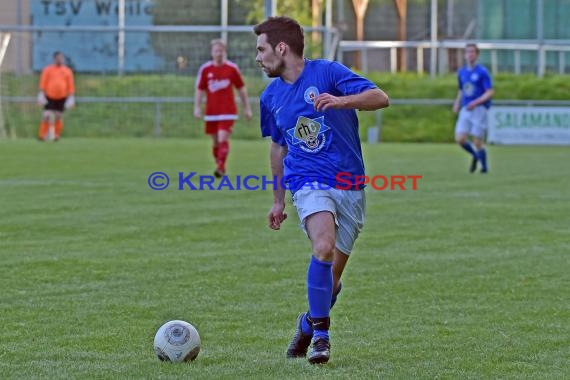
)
(399, 123)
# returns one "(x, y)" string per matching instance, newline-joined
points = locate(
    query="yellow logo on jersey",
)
(309, 133)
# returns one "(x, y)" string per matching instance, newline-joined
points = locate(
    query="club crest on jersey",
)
(309, 134)
(468, 89)
(310, 94)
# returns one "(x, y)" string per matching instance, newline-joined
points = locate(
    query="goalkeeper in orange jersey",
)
(56, 94)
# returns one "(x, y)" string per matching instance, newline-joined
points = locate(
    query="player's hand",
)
(276, 216)
(471, 106)
(247, 113)
(42, 100)
(69, 102)
(197, 113)
(455, 107)
(327, 101)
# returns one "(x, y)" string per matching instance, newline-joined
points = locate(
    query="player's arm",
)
(198, 103)
(245, 102)
(237, 81)
(487, 84)
(42, 100)
(487, 95)
(44, 79)
(276, 214)
(71, 83)
(201, 86)
(368, 100)
(70, 101)
(457, 102)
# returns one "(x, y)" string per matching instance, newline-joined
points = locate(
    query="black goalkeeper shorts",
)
(55, 104)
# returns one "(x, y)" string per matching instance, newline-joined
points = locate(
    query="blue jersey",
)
(320, 144)
(473, 83)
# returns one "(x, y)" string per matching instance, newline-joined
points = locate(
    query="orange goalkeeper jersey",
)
(57, 82)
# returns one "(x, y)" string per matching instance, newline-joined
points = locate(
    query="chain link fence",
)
(135, 69)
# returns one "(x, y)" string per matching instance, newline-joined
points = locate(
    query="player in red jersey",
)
(216, 79)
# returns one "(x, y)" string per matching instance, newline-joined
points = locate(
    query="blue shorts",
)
(347, 206)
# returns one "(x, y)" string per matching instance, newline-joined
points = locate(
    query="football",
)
(177, 341)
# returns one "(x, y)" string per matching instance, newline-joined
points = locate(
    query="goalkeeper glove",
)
(42, 100)
(70, 102)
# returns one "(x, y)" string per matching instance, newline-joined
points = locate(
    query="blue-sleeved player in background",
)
(309, 113)
(472, 102)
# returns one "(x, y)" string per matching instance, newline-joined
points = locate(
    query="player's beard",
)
(276, 71)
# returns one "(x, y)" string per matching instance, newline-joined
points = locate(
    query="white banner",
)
(529, 125)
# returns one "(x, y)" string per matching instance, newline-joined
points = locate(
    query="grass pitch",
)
(466, 277)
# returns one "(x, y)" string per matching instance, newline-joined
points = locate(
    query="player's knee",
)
(222, 137)
(460, 139)
(478, 143)
(323, 249)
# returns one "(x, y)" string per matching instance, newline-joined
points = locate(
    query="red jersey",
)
(218, 82)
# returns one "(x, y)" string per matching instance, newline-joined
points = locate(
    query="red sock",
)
(215, 152)
(58, 128)
(223, 150)
(44, 128)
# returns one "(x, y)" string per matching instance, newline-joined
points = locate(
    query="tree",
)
(360, 7)
(401, 10)
(306, 12)
(316, 21)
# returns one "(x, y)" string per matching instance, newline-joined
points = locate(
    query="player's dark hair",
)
(56, 53)
(473, 46)
(282, 29)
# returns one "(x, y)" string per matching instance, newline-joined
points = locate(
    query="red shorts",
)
(212, 127)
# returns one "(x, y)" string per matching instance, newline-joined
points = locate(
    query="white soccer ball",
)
(177, 341)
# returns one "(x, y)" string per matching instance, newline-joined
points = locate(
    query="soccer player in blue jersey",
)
(309, 113)
(472, 102)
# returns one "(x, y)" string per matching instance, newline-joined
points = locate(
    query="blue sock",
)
(335, 294)
(467, 146)
(319, 291)
(483, 159)
(306, 325)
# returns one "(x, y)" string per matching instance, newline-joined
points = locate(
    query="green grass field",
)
(467, 277)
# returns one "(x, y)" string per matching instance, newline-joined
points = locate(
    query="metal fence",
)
(448, 54)
(172, 35)
(147, 49)
(516, 35)
(157, 118)
(170, 44)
